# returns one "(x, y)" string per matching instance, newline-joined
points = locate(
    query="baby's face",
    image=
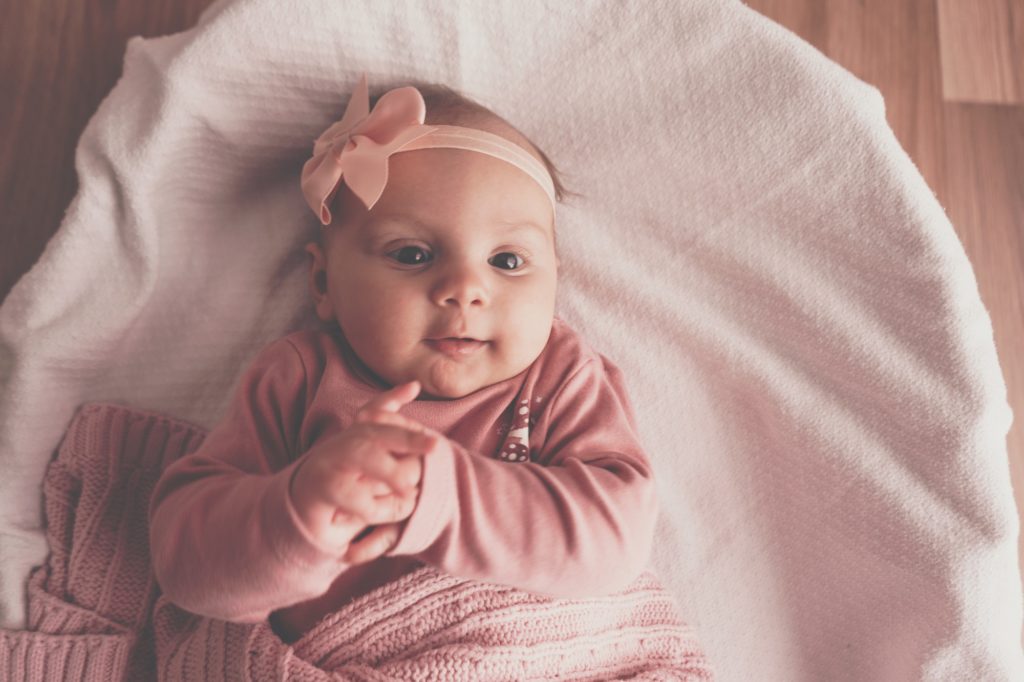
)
(450, 279)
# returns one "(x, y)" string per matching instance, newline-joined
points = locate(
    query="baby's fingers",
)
(376, 468)
(393, 399)
(390, 508)
(400, 440)
(374, 509)
(374, 545)
(366, 416)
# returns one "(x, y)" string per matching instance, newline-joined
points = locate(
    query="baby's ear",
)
(318, 282)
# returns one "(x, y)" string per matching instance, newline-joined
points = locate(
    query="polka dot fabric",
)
(516, 447)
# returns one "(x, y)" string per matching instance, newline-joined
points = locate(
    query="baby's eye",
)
(411, 255)
(507, 260)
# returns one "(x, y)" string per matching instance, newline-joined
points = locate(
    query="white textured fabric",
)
(813, 369)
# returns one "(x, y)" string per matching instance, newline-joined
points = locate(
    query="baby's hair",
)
(446, 106)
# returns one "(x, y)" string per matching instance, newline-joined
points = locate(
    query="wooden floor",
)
(950, 71)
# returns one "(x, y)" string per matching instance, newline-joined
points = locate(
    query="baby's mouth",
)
(456, 347)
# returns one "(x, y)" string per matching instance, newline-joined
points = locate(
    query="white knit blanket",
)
(813, 369)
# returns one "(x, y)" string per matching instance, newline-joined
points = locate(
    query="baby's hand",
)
(367, 475)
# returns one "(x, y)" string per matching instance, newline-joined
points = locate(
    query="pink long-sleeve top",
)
(546, 488)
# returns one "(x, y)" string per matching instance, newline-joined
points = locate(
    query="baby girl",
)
(443, 416)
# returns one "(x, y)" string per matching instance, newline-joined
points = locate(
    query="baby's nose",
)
(462, 287)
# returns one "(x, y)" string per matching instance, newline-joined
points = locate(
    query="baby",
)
(443, 416)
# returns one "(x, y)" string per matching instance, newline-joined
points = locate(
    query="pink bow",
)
(357, 147)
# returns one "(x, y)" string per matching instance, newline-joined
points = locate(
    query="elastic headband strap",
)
(356, 149)
(473, 140)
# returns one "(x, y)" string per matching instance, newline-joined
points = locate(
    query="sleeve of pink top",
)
(225, 539)
(578, 522)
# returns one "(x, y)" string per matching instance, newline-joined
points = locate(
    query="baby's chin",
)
(446, 380)
(431, 393)
(447, 383)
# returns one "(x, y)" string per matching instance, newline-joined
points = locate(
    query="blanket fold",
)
(95, 612)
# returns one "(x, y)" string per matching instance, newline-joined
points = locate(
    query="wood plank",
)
(981, 44)
(984, 197)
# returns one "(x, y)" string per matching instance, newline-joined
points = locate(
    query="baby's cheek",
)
(525, 340)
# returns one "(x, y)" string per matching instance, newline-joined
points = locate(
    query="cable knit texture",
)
(95, 612)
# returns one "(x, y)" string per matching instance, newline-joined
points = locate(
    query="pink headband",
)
(356, 148)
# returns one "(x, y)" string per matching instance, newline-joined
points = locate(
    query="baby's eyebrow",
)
(521, 224)
(508, 226)
(505, 226)
(373, 221)
(524, 226)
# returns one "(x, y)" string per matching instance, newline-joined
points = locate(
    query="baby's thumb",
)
(373, 545)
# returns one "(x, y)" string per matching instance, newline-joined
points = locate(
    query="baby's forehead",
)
(500, 226)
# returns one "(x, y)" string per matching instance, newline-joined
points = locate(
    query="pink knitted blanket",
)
(95, 612)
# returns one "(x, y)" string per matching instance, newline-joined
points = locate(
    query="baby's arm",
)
(227, 539)
(579, 522)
